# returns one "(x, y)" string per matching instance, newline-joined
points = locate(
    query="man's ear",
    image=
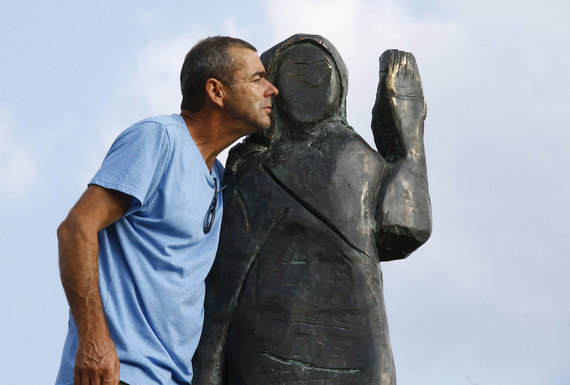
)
(215, 91)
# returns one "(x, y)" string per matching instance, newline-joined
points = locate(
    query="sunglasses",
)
(211, 214)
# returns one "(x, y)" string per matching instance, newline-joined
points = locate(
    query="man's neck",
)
(209, 132)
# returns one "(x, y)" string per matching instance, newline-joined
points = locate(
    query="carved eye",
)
(310, 73)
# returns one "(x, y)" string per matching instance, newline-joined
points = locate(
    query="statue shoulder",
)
(242, 153)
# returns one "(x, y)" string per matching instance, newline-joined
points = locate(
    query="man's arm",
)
(96, 361)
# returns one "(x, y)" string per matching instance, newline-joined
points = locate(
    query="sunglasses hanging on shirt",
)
(211, 214)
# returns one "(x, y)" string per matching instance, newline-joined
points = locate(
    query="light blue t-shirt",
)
(153, 261)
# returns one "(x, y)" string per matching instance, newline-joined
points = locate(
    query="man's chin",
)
(262, 125)
(255, 128)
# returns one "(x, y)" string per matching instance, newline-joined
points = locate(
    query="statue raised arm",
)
(404, 210)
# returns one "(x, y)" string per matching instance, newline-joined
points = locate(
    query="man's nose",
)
(271, 89)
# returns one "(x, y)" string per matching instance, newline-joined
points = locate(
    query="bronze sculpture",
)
(295, 294)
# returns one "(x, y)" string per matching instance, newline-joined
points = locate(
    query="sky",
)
(484, 302)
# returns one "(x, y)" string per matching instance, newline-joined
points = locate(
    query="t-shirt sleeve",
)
(135, 162)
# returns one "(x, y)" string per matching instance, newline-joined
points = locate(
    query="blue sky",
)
(484, 302)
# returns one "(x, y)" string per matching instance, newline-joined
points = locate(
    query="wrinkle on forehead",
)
(246, 61)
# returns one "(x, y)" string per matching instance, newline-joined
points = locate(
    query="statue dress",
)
(310, 209)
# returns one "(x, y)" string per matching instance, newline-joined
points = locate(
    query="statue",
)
(310, 210)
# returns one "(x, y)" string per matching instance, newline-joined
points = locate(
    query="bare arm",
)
(96, 361)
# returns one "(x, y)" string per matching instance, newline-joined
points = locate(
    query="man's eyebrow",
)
(261, 74)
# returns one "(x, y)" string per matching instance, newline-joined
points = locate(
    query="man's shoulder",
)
(160, 120)
(153, 128)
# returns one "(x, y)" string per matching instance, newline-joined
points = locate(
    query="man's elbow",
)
(74, 228)
(63, 231)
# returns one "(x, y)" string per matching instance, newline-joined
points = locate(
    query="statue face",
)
(309, 84)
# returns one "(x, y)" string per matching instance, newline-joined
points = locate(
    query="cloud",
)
(146, 18)
(152, 84)
(18, 166)
(360, 30)
(150, 87)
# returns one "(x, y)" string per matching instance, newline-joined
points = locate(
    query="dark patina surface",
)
(310, 210)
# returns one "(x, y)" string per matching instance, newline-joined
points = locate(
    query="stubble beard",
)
(251, 117)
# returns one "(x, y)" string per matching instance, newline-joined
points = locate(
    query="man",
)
(135, 249)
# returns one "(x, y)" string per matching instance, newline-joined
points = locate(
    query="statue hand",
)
(400, 108)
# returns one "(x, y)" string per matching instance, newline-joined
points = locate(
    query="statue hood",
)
(272, 60)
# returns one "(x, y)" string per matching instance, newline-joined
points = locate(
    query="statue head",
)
(309, 83)
(312, 80)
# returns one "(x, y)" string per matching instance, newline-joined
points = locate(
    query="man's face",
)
(249, 100)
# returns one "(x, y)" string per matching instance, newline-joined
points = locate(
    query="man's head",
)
(247, 102)
(210, 58)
